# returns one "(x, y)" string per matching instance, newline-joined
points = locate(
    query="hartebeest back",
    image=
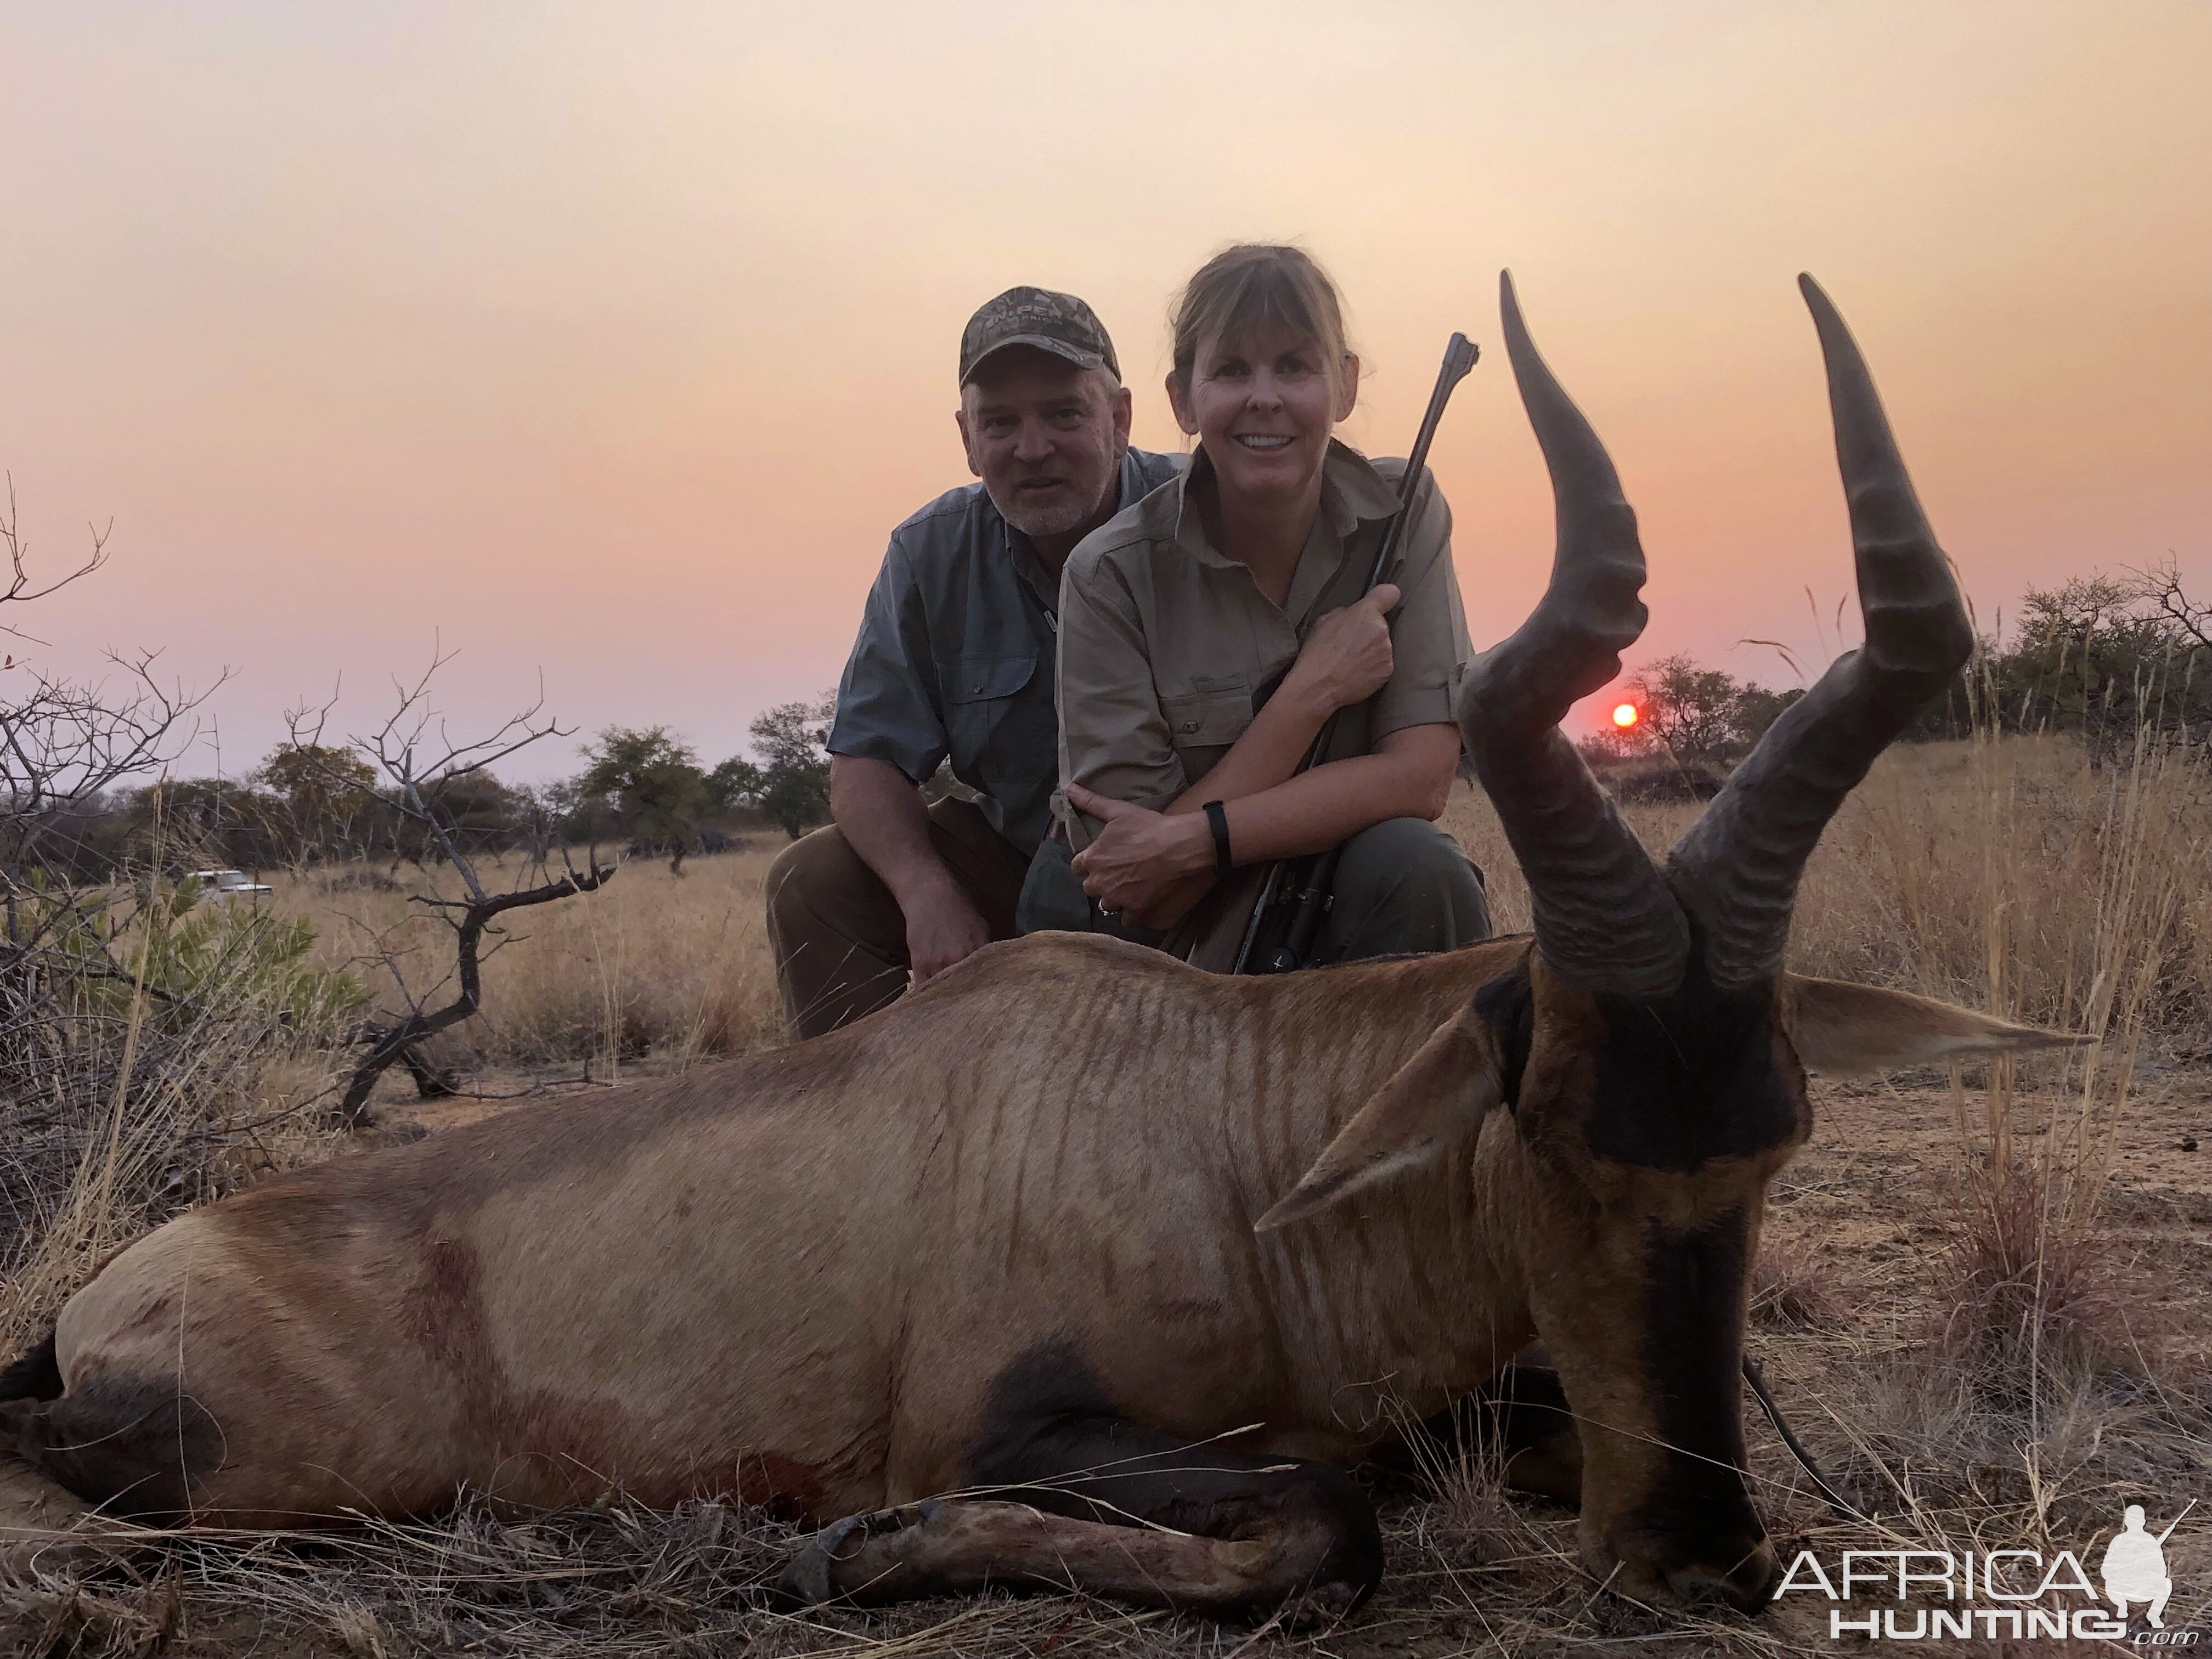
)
(1089, 1237)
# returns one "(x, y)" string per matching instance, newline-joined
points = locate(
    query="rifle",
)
(1311, 898)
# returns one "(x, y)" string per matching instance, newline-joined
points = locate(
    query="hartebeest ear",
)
(1839, 1027)
(1445, 1088)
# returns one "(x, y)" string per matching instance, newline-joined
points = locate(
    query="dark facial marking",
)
(1048, 1420)
(1692, 1358)
(1694, 1077)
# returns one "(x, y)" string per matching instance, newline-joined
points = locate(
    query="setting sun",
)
(1624, 715)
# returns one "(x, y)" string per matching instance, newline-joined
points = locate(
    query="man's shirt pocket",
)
(978, 692)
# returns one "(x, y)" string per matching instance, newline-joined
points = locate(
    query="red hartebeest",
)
(1089, 1237)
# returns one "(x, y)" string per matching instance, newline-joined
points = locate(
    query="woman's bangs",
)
(1268, 298)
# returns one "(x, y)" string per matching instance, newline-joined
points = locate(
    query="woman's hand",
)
(1142, 860)
(1347, 657)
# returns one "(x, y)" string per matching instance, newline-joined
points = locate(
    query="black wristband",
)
(1218, 818)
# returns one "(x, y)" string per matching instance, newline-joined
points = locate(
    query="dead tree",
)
(2160, 588)
(424, 766)
(469, 918)
(64, 743)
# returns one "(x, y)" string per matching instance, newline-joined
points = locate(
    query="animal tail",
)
(36, 1376)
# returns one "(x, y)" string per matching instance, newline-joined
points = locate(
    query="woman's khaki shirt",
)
(1165, 643)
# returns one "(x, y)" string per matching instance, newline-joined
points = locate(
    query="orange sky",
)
(611, 341)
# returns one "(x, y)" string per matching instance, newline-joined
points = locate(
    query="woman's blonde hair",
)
(1249, 285)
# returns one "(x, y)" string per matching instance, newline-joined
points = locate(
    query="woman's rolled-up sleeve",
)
(1428, 633)
(1114, 737)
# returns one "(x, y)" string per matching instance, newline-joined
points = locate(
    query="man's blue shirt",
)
(956, 655)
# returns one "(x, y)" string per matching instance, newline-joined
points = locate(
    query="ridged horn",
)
(1604, 919)
(1737, 869)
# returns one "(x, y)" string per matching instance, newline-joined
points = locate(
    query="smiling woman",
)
(1208, 632)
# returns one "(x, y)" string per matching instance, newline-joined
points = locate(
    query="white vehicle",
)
(226, 884)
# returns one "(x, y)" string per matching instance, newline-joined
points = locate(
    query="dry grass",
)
(654, 968)
(1982, 1305)
(1790, 1291)
(2008, 875)
(129, 1101)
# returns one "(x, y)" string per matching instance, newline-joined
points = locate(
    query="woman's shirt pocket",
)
(1205, 721)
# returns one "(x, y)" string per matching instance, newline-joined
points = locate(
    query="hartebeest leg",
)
(1099, 1505)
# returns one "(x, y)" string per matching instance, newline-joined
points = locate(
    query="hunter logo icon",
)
(2134, 1567)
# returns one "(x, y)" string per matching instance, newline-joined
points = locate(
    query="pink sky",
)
(610, 342)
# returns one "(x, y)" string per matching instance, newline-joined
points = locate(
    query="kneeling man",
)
(956, 657)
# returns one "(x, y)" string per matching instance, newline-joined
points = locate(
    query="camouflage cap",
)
(1058, 323)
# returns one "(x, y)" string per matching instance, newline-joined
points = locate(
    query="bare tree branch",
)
(422, 770)
(397, 1043)
(2160, 587)
(19, 587)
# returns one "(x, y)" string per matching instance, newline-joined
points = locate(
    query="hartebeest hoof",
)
(811, 1576)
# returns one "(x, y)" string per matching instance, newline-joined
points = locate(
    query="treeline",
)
(643, 791)
(2102, 658)
(2106, 657)
(2107, 660)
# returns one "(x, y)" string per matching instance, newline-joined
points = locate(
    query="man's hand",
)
(1142, 862)
(1347, 657)
(942, 928)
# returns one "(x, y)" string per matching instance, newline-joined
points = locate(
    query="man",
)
(955, 658)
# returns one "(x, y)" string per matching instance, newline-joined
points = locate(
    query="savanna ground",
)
(1985, 1301)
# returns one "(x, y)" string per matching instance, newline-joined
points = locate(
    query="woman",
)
(1178, 616)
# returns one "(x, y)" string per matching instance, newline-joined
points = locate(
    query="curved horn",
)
(1604, 919)
(1737, 869)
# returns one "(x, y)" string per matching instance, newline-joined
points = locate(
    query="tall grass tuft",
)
(2092, 931)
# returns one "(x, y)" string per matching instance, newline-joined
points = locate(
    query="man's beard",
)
(1041, 520)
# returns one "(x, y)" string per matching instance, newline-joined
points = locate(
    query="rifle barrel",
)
(2176, 1521)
